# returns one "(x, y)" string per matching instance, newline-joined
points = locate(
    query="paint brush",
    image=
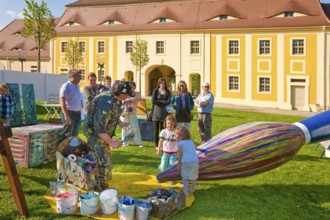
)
(254, 148)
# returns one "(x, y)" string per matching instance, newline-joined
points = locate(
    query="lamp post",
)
(22, 59)
(100, 64)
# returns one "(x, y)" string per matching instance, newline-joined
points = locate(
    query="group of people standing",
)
(183, 104)
(107, 106)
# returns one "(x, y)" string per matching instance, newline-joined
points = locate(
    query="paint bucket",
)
(126, 208)
(67, 202)
(108, 199)
(89, 203)
(143, 209)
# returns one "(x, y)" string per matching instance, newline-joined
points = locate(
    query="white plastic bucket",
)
(108, 199)
(126, 212)
(67, 202)
(143, 209)
(89, 203)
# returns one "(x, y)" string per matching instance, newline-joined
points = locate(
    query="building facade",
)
(271, 53)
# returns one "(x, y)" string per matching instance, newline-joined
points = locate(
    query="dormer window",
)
(111, 22)
(163, 20)
(288, 14)
(223, 17)
(71, 23)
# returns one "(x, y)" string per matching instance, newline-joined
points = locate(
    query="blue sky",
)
(12, 9)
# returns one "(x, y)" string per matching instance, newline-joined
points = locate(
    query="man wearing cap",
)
(204, 103)
(71, 104)
(104, 115)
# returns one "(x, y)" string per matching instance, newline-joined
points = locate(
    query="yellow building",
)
(272, 53)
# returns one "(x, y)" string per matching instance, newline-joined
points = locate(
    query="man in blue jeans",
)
(204, 103)
(71, 104)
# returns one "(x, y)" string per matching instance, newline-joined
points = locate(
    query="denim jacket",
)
(178, 101)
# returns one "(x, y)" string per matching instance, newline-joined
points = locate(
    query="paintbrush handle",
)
(316, 128)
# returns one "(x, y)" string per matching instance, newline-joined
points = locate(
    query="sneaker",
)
(141, 145)
(171, 182)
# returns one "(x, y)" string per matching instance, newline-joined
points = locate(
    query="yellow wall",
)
(213, 62)
(310, 60)
(240, 65)
(115, 58)
(264, 66)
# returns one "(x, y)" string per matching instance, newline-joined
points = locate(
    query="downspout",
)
(326, 68)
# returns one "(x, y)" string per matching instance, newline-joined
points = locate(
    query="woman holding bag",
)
(160, 99)
(183, 104)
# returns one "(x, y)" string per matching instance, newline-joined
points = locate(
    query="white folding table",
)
(53, 109)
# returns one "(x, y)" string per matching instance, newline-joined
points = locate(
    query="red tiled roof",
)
(12, 43)
(139, 15)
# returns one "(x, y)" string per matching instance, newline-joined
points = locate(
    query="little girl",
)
(167, 144)
(187, 159)
(129, 116)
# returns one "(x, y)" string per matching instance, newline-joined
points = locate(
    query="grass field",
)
(299, 189)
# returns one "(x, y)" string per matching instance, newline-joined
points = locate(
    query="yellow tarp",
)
(135, 185)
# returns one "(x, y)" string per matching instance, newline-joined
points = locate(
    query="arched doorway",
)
(154, 72)
(195, 82)
(129, 76)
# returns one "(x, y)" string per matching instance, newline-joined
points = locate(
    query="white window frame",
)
(259, 85)
(82, 49)
(238, 83)
(195, 49)
(291, 46)
(160, 49)
(100, 48)
(270, 47)
(63, 48)
(129, 46)
(238, 47)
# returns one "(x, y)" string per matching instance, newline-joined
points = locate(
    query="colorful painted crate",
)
(34, 144)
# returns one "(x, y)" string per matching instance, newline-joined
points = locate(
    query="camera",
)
(130, 109)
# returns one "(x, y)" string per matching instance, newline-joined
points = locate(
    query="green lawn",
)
(299, 189)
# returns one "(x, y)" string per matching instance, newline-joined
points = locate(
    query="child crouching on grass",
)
(167, 144)
(188, 163)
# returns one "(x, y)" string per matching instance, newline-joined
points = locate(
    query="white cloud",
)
(20, 15)
(11, 13)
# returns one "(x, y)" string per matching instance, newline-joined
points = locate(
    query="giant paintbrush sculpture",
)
(253, 148)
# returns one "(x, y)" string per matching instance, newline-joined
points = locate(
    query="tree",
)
(139, 56)
(39, 24)
(73, 54)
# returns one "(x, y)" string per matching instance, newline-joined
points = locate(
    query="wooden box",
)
(34, 144)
